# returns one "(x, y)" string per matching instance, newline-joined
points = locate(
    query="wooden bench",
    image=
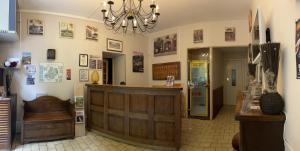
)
(47, 118)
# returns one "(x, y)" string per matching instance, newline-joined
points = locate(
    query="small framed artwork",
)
(230, 34)
(66, 30)
(83, 75)
(198, 36)
(35, 27)
(83, 60)
(114, 45)
(68, 74)
(51, 54)
(79, 102)
(91, 33)
(79, 119)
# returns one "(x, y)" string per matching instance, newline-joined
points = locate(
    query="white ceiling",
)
(173, 12)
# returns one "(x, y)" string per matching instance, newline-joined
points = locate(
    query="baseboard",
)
(288, 147)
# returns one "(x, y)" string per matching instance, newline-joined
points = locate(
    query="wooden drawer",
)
(47, 129)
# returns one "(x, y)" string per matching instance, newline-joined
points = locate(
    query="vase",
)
(95, 77)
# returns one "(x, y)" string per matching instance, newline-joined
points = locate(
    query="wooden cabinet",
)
(5, 124)
(259, 132)
(143, 115)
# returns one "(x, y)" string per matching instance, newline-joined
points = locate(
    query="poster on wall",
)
(91, 33)
(30, 71)
(95, 62)
(298, 48)
(230, 34)
(83, 75)
(51, 72)
(79, 102)
(138, 62)
(35, 27)
(79, 117)
(26, 58)
(66, 30)
(198, 36)
(165, 45)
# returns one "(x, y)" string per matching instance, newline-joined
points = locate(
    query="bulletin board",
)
(162, 70)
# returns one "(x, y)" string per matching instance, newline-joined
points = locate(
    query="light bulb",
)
(113, 18)
(146, 21)
(157, 8)
(134, 23)
(123, 23)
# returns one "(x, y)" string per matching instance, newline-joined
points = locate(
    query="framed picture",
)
(230, 34)
(114, 45)
(165, 45)
(162, 70)
(138, 62)
(297, 51)
(91, 33)
(68, 74)
(83, 75)
(83, 60)
(79, 102)
(79, 118)
(51, 54)
(66, 30)
(26, 58)
(35, 27)
(198, 36)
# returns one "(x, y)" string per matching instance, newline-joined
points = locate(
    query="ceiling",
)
(173, 12)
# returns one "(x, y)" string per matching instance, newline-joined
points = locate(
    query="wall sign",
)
(162, 70)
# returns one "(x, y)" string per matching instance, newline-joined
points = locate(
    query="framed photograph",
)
(79, 102)
(79, 118)
(26, 58)
(35, 27)
(114, 45)
(83, 60)
(91, 33)
(83, 75)
(198, 36)
(297, 51)
(51, 54)
(138, 62)
(66, 30)
(230, 34)
(68, 74)
(165, 45)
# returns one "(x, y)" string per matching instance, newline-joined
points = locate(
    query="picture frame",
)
(165, 45)
(79, 117)
(79, 102)
(51, 54)
(83, 75)
(138, 62)
(161, 71)
(198, 36)
(35, 27)
(83, 60)
(230, 34)
(91, 33)
(114, 45)
(66, 30)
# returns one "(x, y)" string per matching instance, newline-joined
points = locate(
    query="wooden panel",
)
(97, 119)
(138, 128)
(97, 98)
(5, 122)
(217, 100)
(138, 103)
(116, 124)
(116, 101)
(164, 105)
(162, 70)
(164, 131)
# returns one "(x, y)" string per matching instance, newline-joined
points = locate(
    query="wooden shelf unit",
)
(5, 124)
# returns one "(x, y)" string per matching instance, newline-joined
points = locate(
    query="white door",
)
(233, 80)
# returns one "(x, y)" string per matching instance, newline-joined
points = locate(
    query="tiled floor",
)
(197, 135)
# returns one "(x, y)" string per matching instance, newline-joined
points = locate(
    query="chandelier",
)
(130, 16)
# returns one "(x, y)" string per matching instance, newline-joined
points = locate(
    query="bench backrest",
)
(46, 104)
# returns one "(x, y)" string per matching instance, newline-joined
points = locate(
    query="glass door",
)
(199, 88)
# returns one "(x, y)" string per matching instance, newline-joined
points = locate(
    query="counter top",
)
(176, 87)
(253, 114)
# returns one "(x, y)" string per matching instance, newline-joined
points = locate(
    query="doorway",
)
(198, 81)
(114, 68)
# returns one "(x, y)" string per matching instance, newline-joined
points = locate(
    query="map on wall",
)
(51, 72)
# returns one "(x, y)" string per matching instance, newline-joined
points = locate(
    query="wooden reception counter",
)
(139, 115)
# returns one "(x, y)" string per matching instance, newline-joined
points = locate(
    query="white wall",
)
(281, 16)
(214, 36)
(67, 52)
